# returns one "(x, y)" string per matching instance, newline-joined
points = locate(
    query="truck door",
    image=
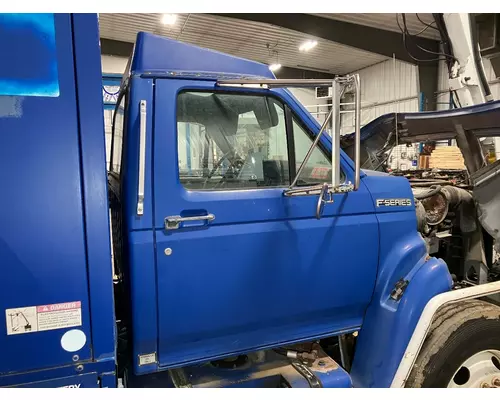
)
(240, 266)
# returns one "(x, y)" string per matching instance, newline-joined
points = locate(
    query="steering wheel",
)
(237, 162)
(234, 169)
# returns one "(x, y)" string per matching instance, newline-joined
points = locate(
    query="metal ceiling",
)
(388, 22)
(243, 39)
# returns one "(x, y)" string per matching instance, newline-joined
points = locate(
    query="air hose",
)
(435, 189)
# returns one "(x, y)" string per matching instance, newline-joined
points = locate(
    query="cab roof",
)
(160, 56)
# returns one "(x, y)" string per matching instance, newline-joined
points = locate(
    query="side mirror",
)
(326, 190)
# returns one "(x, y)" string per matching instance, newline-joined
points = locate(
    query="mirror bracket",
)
(325, 192)
(316, 189)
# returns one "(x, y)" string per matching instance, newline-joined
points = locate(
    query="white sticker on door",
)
(43, 318)
(21, 320)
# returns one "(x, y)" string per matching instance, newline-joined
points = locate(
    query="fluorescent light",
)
(168, 19)
(274, 67)
(306, 46)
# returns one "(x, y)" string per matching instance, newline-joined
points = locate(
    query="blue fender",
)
(389, 324)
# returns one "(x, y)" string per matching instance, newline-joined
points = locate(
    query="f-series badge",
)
(393, 202)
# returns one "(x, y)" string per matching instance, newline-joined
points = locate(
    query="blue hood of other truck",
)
(379, 136)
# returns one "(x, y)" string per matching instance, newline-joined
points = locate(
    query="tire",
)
(458, 332)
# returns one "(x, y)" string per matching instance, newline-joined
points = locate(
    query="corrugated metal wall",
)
(315, 106)
(390, 86)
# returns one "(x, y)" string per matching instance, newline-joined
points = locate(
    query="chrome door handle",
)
(142, 158)
(174, 221)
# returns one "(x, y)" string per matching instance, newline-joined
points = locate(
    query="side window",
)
(231, 141)
(319, 166)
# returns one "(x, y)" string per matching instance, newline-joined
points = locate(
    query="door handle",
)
(142, 159)
(174, 221)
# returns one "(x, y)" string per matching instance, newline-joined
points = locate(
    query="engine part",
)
(457, 195)
(463, 201)
(436, 208)
(486, 183)
(297, 355)
(428, 182)
(421, 217)
(433, 190)
(437, 203)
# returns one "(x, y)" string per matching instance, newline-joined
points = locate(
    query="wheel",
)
(462, 349)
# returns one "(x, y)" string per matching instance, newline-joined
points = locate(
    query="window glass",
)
(231, 141)
(319, 166)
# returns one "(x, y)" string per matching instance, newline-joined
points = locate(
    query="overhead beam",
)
(380, 41)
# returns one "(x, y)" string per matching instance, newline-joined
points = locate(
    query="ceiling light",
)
(168, 19)
(274, 67)
(306, 46)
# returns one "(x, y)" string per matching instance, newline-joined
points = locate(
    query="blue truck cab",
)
(212, 261)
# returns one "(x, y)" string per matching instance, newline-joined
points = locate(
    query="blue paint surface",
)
(156, 54)
(52, 377)
(76, 382)
(43, 148)
(54, 239)
(29, 55)
(94, 184)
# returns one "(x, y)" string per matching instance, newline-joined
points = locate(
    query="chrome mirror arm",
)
(316, 140)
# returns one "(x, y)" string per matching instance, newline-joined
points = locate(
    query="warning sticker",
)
(56, 316)
(21, 320)
(43, 318)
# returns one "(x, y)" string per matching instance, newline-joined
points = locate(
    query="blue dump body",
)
(263, 274)
(55, 263)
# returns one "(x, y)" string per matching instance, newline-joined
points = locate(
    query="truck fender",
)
(389, 323)
(424, 323)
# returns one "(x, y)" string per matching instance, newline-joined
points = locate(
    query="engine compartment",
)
(446, 217)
